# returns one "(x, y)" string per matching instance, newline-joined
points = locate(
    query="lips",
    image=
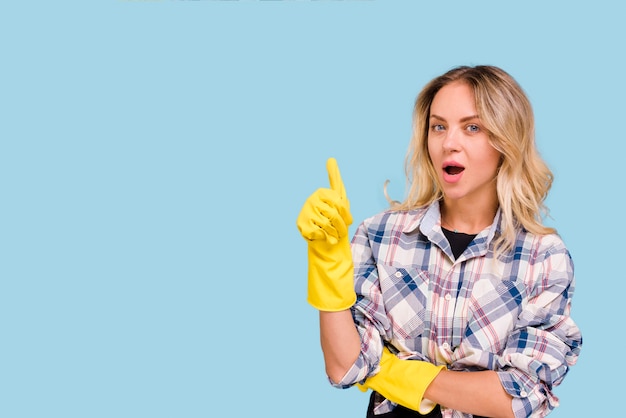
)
(452, 171)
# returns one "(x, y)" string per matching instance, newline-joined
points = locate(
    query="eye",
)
(473, 128)
(437, 127)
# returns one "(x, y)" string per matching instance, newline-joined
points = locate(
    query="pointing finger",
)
(334, 176)
(336, 184)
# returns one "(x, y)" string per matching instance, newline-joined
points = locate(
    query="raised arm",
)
(323, 222)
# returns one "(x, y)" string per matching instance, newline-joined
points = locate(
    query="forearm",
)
(478, 393)
(341, 343)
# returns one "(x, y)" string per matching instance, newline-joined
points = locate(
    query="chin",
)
(453, 195)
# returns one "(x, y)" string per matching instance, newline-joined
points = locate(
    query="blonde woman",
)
(455, 302)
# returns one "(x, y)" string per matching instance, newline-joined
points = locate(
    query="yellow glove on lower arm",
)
(404, 381)
(323, 222)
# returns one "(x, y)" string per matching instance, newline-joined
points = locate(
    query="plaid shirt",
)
(509, 314)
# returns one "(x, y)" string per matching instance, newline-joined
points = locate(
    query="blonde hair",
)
(523, 179)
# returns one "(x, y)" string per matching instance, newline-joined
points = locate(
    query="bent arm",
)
(341, 343)
(538, 352)
(477, 393)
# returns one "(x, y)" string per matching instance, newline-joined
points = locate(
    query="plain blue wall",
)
(155, 155)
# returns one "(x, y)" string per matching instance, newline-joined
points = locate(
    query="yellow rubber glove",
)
(323, 222)
(403, 381)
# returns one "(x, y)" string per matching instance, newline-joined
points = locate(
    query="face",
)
(459, 148)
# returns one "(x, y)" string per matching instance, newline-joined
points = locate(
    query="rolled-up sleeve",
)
(545, 342)
(368, 312)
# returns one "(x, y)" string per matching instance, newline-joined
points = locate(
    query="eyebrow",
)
(465, 119)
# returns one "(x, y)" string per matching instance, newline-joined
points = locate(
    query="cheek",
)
(491, 160)
(432, 150)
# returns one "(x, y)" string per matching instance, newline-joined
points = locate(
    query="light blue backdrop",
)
(155, 154)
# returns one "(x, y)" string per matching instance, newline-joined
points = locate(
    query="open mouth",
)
(453, 169)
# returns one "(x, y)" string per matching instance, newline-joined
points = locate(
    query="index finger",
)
(334, 177)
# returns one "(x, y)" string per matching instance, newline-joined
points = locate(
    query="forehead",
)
(454, 98)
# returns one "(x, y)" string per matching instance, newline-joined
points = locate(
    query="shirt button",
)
(448, 296)
(523, 394)
(445, 346)
(398, 274)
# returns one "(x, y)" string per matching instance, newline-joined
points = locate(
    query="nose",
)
(451, 142)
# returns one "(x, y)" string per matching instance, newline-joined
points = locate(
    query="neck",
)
(469, 220)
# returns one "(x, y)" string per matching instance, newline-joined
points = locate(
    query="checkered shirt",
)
(510, 313)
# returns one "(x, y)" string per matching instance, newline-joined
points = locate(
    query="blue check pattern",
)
(510, 313)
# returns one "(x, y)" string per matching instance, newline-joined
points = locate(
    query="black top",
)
(458, 241)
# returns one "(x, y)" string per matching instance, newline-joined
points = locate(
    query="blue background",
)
(155, 154)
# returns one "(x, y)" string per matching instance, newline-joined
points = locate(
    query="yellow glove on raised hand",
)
(403, 381)
(323, 222)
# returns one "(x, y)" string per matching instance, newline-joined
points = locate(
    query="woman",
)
(455, 302)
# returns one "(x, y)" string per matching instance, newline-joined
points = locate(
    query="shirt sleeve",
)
(368, 312)
(545, 341)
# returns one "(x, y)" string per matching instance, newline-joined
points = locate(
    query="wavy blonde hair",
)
(523, 179)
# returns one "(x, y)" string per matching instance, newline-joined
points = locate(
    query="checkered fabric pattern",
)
(510, 314)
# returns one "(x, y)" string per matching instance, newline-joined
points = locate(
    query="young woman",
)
(455, 302)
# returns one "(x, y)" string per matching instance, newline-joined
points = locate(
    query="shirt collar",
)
(430, 217)
(424, 219)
